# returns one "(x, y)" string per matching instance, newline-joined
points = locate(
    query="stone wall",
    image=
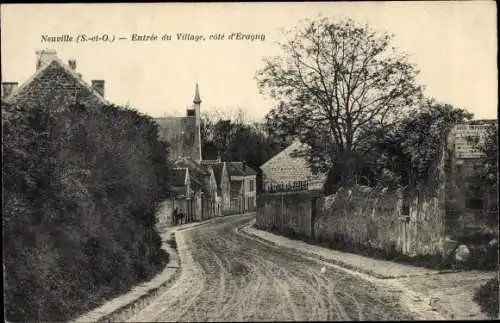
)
(372, 217)
(285, 212)
(426, 223)
(361, 216)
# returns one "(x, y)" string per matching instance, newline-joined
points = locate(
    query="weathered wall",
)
(286, 211)
(464, 215)
(361, 215)
(369, 217)
(372, 217)
(426, 225)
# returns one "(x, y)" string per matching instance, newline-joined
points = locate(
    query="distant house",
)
(205, 198)
(54, 84)
(183, 193)
(184, 138)
(287, 168)
(236, 185)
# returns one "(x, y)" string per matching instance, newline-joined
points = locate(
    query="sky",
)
(453, 43)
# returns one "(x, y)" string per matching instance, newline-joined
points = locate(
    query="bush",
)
(487, 297)
(81, 187)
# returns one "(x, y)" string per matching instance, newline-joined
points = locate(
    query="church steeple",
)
(197, 99)
(196, 106)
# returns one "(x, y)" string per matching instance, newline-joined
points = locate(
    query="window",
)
(251, 185)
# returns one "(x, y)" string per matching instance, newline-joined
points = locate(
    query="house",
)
(184, 138)
(205, 199)
(184, 197)
(54, 84)
(236, 184)
(288, 168)
(225, 187)
(462, 195)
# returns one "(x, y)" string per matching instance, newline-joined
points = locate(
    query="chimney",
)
(72, 64)
(218, 158)
(244, 166)
(44, 56)
(98, 85)
(8, 88)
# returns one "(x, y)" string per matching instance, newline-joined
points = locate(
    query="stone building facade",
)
(286, 167)
(55, 85)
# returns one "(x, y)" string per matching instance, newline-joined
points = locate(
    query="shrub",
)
(81, 187)
(487, 297)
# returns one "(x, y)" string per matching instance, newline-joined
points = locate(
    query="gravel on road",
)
(226, 276)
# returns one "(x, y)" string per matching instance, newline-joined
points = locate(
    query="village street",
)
(228, 276)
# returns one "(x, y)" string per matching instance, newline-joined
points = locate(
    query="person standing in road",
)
(175, 216)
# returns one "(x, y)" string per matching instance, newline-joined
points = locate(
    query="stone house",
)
(287, 168)
(465, 204)
(55, 84)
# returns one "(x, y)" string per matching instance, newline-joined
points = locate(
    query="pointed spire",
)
(197, 99)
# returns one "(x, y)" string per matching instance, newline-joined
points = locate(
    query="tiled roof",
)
(287, 167)
(193, 166)
(180, 133)
(239, 169)
(217, 168)
(210, 162)
(178, 176)
(56, 80)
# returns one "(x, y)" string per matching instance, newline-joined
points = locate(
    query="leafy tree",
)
(408, 153)
(338, 83)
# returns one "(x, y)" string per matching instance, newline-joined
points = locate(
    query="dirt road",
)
(227, 276)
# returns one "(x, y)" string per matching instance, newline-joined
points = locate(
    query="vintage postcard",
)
(301, 161)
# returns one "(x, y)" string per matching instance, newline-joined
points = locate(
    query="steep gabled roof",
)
(55, 75)
(193, 166)
(239, 169)
(197, 173)
(288, 152)
(210, 162)
(180, 133)
(178, 176)
(217, 168)
(288, 167)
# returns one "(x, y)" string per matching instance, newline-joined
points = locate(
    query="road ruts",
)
(227, 276)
